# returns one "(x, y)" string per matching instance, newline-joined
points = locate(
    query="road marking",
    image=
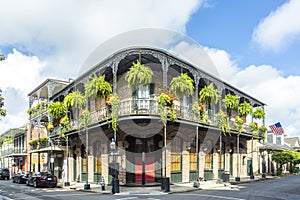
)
(214, 196)
(127, 198)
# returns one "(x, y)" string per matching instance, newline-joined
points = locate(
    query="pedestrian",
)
(102, 183)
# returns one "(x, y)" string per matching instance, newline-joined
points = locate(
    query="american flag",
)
(277, 129)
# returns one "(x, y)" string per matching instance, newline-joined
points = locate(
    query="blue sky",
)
(254, 44)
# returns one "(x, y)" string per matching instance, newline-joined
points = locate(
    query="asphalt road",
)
(285, 188)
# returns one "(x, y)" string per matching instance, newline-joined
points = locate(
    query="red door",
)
(149, 169)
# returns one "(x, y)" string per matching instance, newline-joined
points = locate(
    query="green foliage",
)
(262, 132)
(50, 126)
(259, 113)
(57, 110)
(8, 140)
(29, 111)
(239, 122)
(64, 126)
(230, 102)
(245, 109)
(84, 119)
(182, 85)
(114, 104)
(198, 111)
(223, 122)
(164, 101)
(33, 142)
(75, 100)
(2, 110)
(254, 129)
(98, 87)
(2, 57)
(43, 140)
(138, 74)
(209, 95)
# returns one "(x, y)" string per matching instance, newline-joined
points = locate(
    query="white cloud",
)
(280, 28)
(265, 83)
(61, 34)
(19, 75)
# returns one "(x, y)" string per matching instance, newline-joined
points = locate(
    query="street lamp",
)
(114, 168)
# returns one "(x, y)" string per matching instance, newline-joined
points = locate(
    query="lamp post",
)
(67, 183)
(115, 180)
(87, 185)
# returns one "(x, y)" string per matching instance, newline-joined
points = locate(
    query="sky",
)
(254, 44)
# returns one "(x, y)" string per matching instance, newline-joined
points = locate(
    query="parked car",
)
(20, 177)
(4, 173)
(41, 179)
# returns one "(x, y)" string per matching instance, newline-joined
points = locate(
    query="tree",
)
(2, 110)
(138, 74)
(2, 57)
(282, 158)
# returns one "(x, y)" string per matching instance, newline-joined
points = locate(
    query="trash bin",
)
(296, 170)
(225, 177)
(165, 184)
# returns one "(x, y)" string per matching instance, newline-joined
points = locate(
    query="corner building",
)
(193, 149)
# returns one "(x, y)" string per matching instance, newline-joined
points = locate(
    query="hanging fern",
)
(138, 74)
(230, 102)
(74, 99)
(57, 110)
(245, 109)
(223, 122)
(98, 87)
(209, 95)
(182, 85)
(259, 113)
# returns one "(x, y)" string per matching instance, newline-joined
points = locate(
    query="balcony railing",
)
(150, 107)
(12, 151)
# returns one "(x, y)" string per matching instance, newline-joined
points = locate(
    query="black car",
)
(41, 179)
(20, 177)
(4, 173)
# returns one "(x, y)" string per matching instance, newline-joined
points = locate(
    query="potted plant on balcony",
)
(114, 103)
(57, 110)
(262, 132)
(74, 100)
(182, 85)
(222, 122)
(254, 130)
(29, 111)
(138, 74)
(98, 87)
(50, 127)
(199, 111)
(209, 96)
(165, 102)
(64, 126)
(33, 143)
(84, 119)
(230, 102)
(259, 113)
(244, 109)
(43, 141)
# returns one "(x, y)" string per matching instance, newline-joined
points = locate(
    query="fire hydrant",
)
(102, 183)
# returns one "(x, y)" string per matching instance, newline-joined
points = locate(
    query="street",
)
(281, 188)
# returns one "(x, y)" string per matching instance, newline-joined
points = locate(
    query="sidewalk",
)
(156, 190)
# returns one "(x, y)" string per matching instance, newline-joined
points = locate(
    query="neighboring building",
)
(293, 142)
(41, 148)
(13, 149)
